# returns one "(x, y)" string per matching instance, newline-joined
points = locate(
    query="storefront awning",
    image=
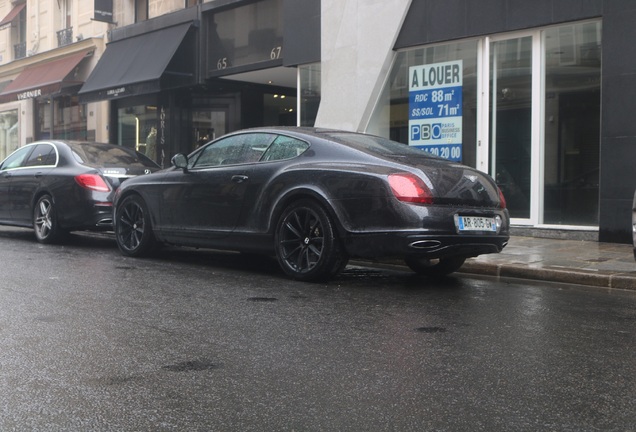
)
(139, 65)
(43, 78)
(7, 20)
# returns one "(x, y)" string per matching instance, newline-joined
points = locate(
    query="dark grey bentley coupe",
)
(315, 198)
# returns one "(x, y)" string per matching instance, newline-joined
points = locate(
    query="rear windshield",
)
(376, 145)
(108, 155)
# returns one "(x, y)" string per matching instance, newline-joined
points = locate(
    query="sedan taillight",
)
(92, 182)
(410, 188)
(502, 199)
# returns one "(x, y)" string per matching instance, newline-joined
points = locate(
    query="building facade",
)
(537, 94)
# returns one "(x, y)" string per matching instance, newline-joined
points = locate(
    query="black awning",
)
(140, 65)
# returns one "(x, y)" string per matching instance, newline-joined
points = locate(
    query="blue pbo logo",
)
(425, 132)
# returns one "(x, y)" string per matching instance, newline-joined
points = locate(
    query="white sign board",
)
(435, 108)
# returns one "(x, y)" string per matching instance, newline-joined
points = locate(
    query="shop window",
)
(137, 129)
(208, 125)
(572, 124)
(279, 109)
(548, 167)
(510, 121)
(309, 93)
(61, 118)
(9, 139)
(430, 101)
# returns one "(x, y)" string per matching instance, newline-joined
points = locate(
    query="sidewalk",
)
(607, 265)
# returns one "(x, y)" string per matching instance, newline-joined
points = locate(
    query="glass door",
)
(209, 124)
(511, 121)
(509, 86)
(539, 122)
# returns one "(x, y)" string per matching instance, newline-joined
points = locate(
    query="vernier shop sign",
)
(30, 94)
(435, 108)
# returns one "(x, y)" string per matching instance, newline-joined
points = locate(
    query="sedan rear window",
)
(107, 155)
(42, 155)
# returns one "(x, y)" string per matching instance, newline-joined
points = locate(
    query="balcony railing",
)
(19, 50)
(65, 37)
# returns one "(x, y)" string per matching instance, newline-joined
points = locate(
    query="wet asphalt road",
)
(202, 341)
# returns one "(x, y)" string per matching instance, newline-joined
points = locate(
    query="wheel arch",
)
(133, 192)
(39, 194)
(299, 194)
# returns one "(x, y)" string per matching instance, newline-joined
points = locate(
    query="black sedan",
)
(315, 198)
(62, 186)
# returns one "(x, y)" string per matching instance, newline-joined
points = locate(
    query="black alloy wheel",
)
(435, 267)
(307, 246)
(133, 231)
(45, 223)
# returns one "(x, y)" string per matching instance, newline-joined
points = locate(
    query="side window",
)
(43, 154)
(285, 147)
(16, 159)
(236, 149)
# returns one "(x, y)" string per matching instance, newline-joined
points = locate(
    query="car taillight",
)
(410, 188)
(92, 182)
(502, 199)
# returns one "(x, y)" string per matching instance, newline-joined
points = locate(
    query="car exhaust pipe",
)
(104, 223)
(425, 244)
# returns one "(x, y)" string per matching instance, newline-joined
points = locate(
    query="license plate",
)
(476, 223)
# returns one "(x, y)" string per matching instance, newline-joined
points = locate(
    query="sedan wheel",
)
(45, 221)
(133, 231)
(435, 267)
(307, 246)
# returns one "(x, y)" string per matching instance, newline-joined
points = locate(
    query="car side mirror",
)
(180, 161)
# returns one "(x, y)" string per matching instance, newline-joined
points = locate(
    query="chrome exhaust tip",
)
(425, 244)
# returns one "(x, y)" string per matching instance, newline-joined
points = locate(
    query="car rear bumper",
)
(95, 216)
(378, 245)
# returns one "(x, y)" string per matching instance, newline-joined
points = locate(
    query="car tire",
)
(435, 267)
(45, 224)
(307, 244)
(133, 230)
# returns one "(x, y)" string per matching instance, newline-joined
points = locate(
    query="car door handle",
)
(6, 175)
(239, 178)
(38, 175)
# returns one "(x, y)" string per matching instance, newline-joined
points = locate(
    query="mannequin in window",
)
(151, 144)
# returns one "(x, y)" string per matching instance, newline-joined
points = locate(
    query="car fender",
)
(121, 195)
(128, 188)
(312, 192)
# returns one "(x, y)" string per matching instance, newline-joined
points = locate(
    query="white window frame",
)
(537, 114)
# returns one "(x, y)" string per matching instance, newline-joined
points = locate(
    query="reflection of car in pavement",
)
(61, 186)
(315, 198)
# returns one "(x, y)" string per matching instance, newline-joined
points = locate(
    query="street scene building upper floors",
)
(537, 94)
